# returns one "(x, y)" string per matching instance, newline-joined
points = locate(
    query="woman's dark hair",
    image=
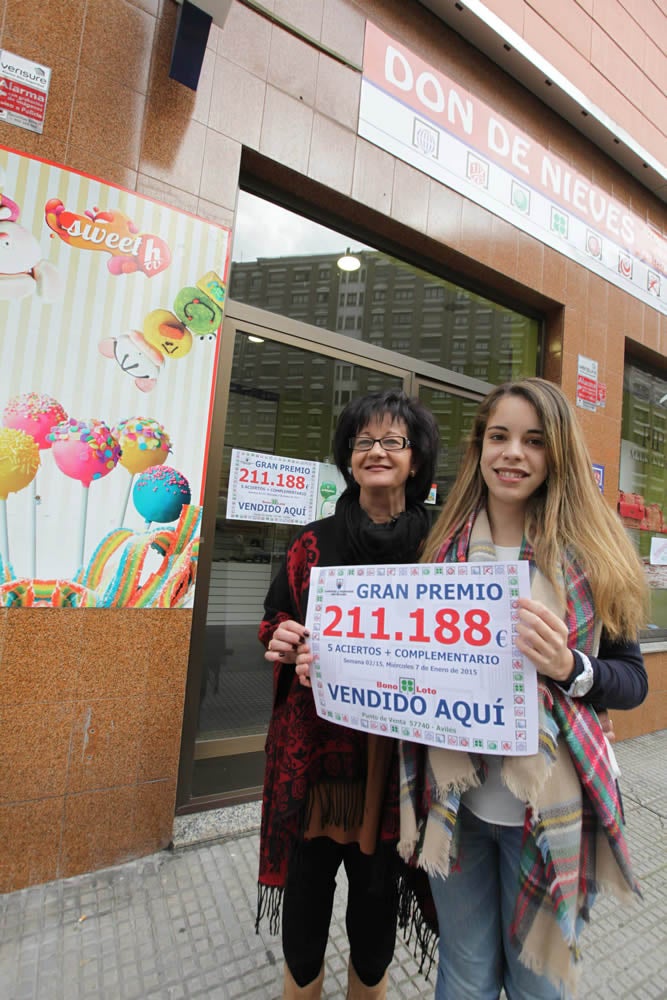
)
(422, 434)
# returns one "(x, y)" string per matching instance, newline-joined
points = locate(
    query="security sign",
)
(24, 89)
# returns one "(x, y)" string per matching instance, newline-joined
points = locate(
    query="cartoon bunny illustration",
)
(23, 271)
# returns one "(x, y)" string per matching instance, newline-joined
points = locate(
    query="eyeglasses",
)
(391, 443)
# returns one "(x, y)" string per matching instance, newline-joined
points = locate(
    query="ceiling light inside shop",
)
(348, 262)
(255, 340)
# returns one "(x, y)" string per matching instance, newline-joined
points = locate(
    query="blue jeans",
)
(475, 905)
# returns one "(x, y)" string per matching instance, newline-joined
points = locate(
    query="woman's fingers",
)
(303, 662)
(540, 618)
(288, 635)
(607, 725)
(288, 638)
(542, 637)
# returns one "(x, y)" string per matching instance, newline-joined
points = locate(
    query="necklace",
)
(391, 519)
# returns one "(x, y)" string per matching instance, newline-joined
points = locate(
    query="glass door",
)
(283, 400)
(454, 410)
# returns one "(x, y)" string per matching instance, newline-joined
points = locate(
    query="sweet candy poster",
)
(110, 313)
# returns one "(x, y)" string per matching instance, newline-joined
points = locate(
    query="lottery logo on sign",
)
(653, 283)
(477, 171)
(559, 222)
(593, 245)
(625, 265)
(520, 198)
(425, 138)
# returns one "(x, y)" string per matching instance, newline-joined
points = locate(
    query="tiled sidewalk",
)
(181, 924)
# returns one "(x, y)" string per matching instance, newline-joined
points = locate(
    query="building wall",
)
(610, 50)
(91, 703)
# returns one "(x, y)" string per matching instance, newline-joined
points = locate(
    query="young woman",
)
(516, 848)
(331, 793)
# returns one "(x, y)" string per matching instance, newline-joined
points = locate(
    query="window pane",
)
(492, 343)
(454, 416)
(643, 480)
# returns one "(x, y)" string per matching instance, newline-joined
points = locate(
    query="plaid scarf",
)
(573, 840)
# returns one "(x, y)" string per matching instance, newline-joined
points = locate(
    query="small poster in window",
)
(271, 488)
(658, 556)
(330, 485)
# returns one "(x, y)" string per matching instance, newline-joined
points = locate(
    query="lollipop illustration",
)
(35, 414)
(160, 494)
(19, 461)
(143, 444)
(85, 451)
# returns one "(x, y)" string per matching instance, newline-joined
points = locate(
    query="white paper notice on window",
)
(425, 653)
(658, 556)
(271, 488)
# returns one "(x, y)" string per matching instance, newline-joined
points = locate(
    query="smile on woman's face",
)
(513, 462)
(377, 468)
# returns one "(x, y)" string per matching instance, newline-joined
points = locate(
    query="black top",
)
(619, 675)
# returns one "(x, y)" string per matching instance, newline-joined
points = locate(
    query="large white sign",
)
(417, 113)
(426, 653)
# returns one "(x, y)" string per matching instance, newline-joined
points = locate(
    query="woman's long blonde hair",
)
(566, 512)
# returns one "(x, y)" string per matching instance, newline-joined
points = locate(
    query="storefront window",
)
(642, 501)
(492, 343)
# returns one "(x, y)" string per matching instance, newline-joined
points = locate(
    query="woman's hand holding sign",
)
(304, 658)
(288, 645)
(542, 637)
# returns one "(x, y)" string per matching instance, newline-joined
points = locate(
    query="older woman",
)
(331, 793)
